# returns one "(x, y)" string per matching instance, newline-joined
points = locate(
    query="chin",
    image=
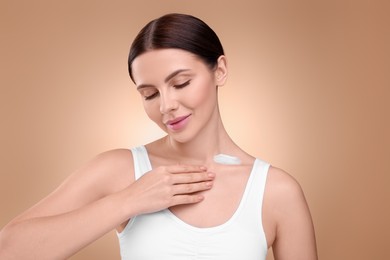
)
(181, 138)
(177, 139)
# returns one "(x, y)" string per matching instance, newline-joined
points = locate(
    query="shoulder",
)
(284, 192)
(113, 158)
(114, 164)
(280, 184)
(108, 171)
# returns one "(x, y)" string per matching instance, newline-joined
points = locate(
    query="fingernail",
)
(211, 174)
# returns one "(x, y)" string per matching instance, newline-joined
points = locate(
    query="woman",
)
(193, 194)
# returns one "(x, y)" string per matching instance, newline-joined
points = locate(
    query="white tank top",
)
(163, 236)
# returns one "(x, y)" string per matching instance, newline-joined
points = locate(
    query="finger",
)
(186, 199)
(181, 168)
(192, 177)
(191, 187)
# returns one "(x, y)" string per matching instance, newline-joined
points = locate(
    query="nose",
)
(167, 103)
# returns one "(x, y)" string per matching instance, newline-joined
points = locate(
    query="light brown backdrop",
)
(308, 91)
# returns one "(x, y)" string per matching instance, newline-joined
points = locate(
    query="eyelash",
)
(151, 96)
(180, 86)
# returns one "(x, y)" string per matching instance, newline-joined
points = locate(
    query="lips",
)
(178, 123)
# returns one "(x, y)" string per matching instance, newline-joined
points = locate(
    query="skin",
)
(173, 84)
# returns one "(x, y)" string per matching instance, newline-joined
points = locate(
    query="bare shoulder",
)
(116, 161)
(283, 196)
(111, 170)
(283, 187)
(287, 218)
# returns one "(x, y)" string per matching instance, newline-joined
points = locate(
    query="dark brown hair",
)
(178, 31)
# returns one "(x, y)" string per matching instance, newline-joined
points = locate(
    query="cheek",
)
(203, 95)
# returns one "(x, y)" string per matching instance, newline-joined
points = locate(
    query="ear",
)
(221, 71)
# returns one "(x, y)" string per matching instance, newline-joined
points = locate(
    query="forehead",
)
(153, 66)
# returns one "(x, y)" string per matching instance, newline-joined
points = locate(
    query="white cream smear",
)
(226, 159)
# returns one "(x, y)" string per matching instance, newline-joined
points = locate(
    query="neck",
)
(211, 141)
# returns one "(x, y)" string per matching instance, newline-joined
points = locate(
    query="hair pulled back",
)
(178, 31)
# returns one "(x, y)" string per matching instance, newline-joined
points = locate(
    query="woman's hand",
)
(167, 186)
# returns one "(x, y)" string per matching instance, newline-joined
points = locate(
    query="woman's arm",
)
(292, 237)
(72, 216)
(93, 201)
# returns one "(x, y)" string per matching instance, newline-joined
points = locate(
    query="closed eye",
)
(155, 94)
(182, 85)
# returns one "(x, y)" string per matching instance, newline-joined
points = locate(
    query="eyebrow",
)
(168, 78)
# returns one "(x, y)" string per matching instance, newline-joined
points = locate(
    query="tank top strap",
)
(251, 213)
(141, 161)
(258, 180)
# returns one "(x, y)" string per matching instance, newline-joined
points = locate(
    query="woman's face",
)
(179, 91)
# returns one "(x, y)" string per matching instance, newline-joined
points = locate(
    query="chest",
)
(226, 225)
(168, 238)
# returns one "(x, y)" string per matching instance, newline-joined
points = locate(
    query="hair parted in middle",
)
(180, 31)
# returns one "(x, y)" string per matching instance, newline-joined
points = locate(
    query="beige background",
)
(308, 91)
